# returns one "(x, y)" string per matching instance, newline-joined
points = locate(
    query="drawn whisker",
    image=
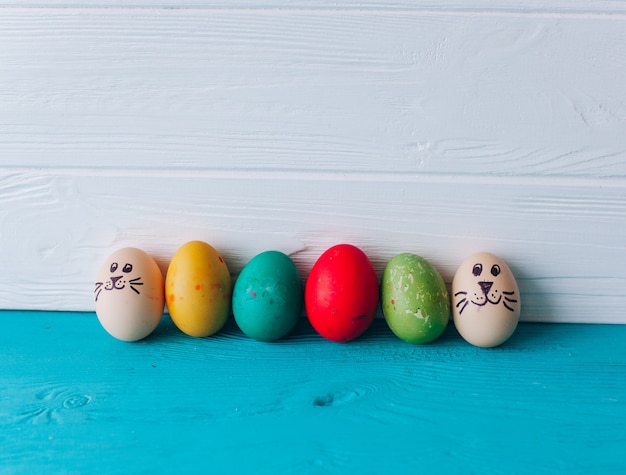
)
(464, 305)
(510, 300)
(98, 285)
(509, 308)
(460, 293)
(98, 292)
(460, 302)
(509, 292)
(134, 289)
(135, 281)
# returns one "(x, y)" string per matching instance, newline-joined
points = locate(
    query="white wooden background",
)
(440, 128)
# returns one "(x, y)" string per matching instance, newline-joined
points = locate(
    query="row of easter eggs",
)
(340, 297)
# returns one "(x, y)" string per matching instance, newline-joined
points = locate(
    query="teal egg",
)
(268, 296)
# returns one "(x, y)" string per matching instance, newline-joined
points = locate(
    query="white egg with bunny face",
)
(485, 300)
(129, 294)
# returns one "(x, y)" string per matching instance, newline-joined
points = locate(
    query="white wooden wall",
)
(439, 128)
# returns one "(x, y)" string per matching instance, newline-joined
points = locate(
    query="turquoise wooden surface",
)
(74, 400)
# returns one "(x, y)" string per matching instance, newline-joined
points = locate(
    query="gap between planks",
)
(324, 175)
(375, 10)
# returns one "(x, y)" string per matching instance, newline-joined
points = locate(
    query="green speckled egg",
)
(415, 300)
(268, 296)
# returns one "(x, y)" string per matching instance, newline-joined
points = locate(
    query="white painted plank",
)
(565, 243)
(532, 7)
(411, 92)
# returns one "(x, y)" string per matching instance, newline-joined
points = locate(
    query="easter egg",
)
(198, 289)
(341, 293)
(415, 299)
(129, 294)
(267, 296)
(486, 302)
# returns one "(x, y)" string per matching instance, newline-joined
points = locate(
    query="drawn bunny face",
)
(485, 300)
(121, 277)
(487, 286)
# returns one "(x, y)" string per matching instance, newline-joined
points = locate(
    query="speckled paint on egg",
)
(415, 300)
(268, 296)
(198, 289)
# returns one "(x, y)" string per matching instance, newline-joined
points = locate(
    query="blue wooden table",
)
(75, 400)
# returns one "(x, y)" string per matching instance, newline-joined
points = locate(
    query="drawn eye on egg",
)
(118, 281)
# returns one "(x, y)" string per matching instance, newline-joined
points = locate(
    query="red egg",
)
(341, 293)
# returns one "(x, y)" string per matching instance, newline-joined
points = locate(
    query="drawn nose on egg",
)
(485, 286)
(115, 281)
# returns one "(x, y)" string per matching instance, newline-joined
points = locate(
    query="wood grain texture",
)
(500, 7)
(440, 129)
(538, 231)
(74, 400)
(365, 91)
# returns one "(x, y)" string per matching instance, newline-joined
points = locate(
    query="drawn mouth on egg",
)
(115, 283)
(484, 299)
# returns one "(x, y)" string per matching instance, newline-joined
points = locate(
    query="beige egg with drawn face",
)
(485, 300)
(129, 294)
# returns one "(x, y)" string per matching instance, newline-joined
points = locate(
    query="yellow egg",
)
(198, 289)
(129, 294)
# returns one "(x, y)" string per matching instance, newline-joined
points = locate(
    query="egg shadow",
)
(165, 330)
(538, 305)
(533, 335)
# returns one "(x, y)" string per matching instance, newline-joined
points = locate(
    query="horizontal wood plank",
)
(514, 7)
(75, 400)
(414, 93)
(62, 226)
